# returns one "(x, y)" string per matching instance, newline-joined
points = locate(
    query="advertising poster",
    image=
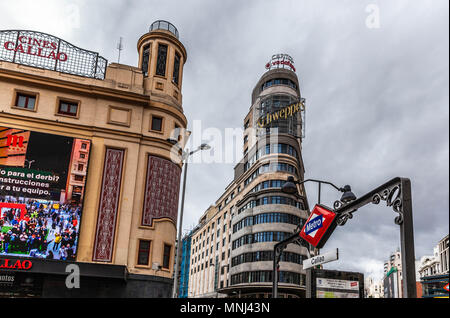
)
(333, 294)
(337, 288)
(42, 185)
(337, 284)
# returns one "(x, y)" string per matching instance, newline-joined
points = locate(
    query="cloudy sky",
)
(374, 74)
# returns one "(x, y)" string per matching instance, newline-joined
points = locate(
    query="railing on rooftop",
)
(164, 25)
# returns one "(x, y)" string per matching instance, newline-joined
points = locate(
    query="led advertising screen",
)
(42, 186)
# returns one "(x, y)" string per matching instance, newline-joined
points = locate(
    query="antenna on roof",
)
(119, 48)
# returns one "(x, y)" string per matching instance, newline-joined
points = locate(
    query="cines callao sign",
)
(49, 52)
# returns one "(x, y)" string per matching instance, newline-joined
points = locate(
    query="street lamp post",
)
(290, 187)
(185, 155)
(397, 194)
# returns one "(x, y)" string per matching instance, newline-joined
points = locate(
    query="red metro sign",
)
(319, 226)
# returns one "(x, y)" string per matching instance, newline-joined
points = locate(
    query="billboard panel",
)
(335, 284)
(42, 184)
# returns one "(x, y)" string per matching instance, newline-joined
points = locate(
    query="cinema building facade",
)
(232, 246)
(87, 176)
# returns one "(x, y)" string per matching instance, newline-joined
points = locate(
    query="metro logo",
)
(313, 225)
(319, 226)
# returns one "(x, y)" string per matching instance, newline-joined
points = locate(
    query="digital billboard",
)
(42, 185)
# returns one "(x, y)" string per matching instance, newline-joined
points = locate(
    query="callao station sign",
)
(319, 226)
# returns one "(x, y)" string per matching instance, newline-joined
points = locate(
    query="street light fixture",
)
(397, 195)
(290, 187)
(184, 156)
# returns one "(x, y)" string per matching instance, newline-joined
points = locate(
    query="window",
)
(78, 178)
(176, 69)
(144, 252)
(166, 256)
(68, 108)
(145, 59)
(26, 101)
(161, 62)
(82, 155)
(157, 123)
(83, 146)
(178, 132)
(80, 167)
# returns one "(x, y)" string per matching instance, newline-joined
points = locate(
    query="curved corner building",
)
(260, 213)
(118, 192)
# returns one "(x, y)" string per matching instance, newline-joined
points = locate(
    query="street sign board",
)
(323, 283)
(319, 226)
(321, 259)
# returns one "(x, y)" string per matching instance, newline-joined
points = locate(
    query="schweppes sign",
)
(283, 113)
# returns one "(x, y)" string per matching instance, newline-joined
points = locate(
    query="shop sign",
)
(6, 263)
(46, 51)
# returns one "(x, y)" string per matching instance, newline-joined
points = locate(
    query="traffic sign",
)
(321, 259)
(446, 287)
(319, 226)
